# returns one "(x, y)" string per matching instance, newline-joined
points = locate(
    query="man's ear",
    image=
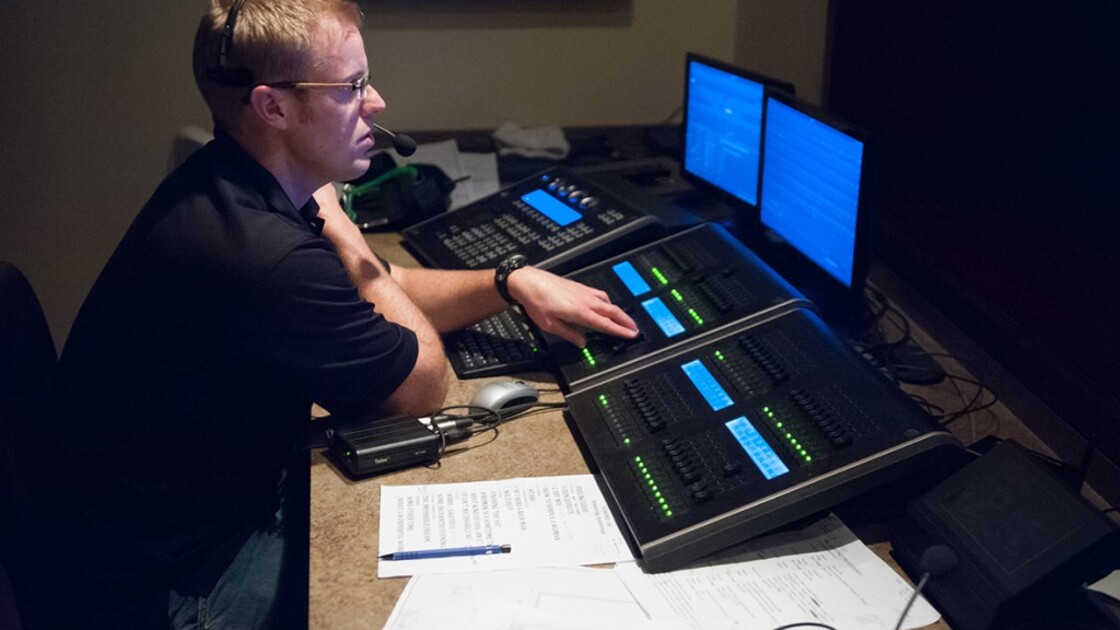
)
(271, 105)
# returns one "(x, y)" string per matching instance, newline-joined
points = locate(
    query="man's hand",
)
(563, 307)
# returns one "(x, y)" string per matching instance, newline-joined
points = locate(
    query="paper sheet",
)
(545, 599)
(822, 574)
(548, 521)
(479, 169)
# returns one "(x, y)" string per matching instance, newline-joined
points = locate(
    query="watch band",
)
(501, 275)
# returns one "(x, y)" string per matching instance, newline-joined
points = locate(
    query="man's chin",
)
(357, 169)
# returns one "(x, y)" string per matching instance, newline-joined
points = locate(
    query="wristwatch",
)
(501, 275)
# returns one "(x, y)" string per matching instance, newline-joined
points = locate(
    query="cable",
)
(805, 624)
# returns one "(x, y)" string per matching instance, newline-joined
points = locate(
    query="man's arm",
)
(425, 389)
(454, 299)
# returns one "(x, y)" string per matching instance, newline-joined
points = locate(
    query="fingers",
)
(565, 331)
(608, 318)
(566, 308)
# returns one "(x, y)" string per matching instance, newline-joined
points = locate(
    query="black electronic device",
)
(497, 346)
(724, 107)
(390, 197)
(558, 219)
(686, 285)
(1025, 542)
(815, 204)
(368, 447)
(683, 287)
(729, 437)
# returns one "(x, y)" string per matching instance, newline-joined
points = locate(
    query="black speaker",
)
(1026, 541)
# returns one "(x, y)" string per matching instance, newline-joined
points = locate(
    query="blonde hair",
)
(271, 41)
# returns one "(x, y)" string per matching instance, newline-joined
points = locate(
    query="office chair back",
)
(28, 365)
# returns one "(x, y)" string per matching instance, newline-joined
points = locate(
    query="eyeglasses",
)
(358, 87)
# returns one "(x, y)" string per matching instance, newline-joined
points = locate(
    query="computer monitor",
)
(814, 197)
(723, 110)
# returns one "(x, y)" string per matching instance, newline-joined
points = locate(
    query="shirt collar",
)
(262, 181)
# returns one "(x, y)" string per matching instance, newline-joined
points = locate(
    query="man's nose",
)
(372, 103)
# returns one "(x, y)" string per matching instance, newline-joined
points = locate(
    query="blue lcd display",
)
(810, 188)
(706, 384)
(664, 318)
(764, 457)
(631, 278)
(551, 207)
(724, 130)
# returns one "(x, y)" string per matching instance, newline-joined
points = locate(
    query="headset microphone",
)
(402, 144)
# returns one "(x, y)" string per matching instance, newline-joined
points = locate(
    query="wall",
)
(91, 102)
(785, 39)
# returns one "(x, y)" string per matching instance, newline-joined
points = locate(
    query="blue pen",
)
(484, 550)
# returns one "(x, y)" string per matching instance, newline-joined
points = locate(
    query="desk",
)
(344, 590)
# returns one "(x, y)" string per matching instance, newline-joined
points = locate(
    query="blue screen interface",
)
(631, 278)
(723, 132)
(764, 457)
(810, 188)
(551, 207)
(706, 384)
(663, 317)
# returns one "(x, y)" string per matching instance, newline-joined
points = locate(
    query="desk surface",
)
(344, 590)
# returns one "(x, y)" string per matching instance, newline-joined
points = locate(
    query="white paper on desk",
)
(546, 599)
(479, 169)
(822, 574)
(548, 521)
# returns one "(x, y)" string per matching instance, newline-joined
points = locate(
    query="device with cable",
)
(499, 345)
(391, 197)
(730, 436)
(815, 205)
(558, 219)
(687, 285)
(371, 444)
(375, 445)
(723, 122)
(681, 288)
(1027, 542)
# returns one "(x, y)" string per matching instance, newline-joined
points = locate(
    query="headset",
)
(223, 74)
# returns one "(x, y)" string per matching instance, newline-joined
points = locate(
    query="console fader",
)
(727, 437)
(683, 287)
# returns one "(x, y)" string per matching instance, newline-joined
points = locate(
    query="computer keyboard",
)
(498, 346)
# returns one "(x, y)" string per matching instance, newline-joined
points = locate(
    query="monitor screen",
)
(811, 178)
(723, 127)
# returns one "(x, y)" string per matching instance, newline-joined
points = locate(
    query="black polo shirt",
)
(188, 376)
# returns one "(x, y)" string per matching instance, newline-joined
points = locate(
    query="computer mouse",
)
(504, 395)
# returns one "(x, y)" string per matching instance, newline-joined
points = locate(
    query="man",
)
(233, 303)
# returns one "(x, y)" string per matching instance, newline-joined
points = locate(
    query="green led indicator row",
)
(588, 357)
(696, 316)
(676, 295)
(606, 405)
(661, 503)
(719, 355)
(660, 276)
(797, 446)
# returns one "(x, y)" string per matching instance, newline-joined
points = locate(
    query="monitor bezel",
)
(836, 300)
(695, 179)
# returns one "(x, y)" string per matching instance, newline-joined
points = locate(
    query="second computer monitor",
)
(723, 112)
(813, 189)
